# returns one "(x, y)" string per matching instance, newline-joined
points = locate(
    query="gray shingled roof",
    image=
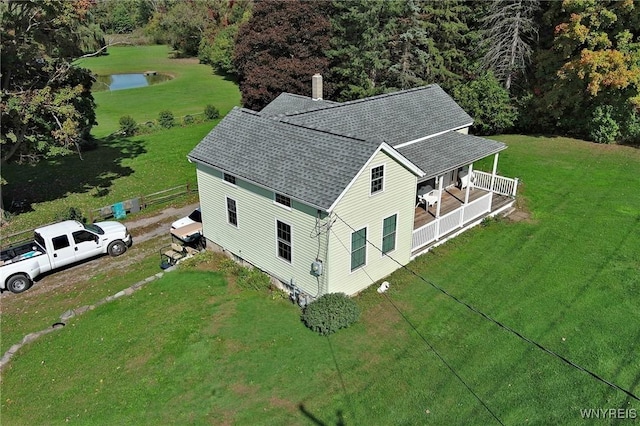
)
(312, 156)
(395, 117)
(290, 103)
(312, 166)
(448, 151)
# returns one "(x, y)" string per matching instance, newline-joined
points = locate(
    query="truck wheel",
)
(116, 248)
(18, 283)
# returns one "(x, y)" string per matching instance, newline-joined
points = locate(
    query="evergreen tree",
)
(409, 47)
(360, 58)
(449, 54)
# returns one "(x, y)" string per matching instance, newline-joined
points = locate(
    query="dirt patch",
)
(520, 216)
(244, 390)
(290, 406)
(521, 212)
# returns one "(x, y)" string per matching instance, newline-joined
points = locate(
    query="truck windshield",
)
(93, 228)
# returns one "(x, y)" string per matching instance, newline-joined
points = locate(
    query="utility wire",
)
(424, 339)
(444, 361)
(501, 325)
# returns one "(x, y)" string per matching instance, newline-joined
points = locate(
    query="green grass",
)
(193, 87)
(191, 349)
(122, 168)
(32, 314)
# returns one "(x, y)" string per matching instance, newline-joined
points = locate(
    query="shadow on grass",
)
(308, 414)
(54, 178)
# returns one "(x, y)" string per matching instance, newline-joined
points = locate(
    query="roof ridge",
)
(283, 120)
(296, 95)
(321, 130)
(368, 99)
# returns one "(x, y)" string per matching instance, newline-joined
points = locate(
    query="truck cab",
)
(58, 245)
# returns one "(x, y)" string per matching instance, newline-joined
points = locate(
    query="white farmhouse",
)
(329, 197)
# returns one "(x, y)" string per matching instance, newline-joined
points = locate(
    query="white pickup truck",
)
(58, 245)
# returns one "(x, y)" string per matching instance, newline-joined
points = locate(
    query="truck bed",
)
(20, 251)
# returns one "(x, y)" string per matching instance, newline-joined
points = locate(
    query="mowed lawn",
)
(191, 89)
(121, 168)
(191, 348)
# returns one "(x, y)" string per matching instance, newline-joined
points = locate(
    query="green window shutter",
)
(389, 234)
(358, 248)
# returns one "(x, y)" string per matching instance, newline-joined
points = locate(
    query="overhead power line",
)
(426, 341)
(501, 325)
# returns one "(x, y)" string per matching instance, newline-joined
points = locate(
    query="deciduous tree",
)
(280, 48)
(592, 61)
(47, 107)
(218, 44)
(488, 103)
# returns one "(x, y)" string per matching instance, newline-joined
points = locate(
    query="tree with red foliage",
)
(280, 48)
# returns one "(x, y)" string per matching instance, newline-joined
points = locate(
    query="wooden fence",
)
(132, 205)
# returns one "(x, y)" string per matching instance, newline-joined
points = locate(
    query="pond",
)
(127, 81)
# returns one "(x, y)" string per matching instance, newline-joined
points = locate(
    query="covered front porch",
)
(452, 196)
(453, 209)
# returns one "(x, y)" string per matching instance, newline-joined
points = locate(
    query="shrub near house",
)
(330, 312)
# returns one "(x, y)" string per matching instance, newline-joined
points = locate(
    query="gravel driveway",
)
(143, 229)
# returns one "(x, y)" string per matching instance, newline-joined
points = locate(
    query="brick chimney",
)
(316, 87)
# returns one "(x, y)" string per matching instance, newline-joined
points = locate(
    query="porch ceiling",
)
(449, 151)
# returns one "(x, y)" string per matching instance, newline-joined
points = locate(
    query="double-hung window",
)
(389, 226)
(358, 248)
(283, 236)
(232, 212)
(377, 179)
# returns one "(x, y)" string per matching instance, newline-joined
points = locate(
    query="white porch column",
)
(440, 182)
(469, 175)
(466, 193)
(495, 168)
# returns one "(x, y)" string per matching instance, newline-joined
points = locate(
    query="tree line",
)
(567, 67)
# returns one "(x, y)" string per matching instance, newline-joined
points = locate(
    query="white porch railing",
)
(476, 208)
(457, 218)
(501, 185)
(424, 235)
(450, 221)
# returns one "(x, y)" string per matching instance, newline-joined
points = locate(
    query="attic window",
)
(283, 200)
(230, 178)
(377, 179)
